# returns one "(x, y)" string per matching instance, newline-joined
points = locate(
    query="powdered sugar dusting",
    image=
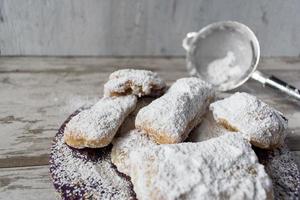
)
(224, 70)
(279, 163)
(101, 121)
(172, 114)
(122, 146)
(76, 101)
(86, 173)
(283, 170)
(128, 123)
(258, 122)
(221, 168)
(208, 129)
(139, 82)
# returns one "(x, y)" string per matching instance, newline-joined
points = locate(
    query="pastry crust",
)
(96, 127)
(137, 82)
(220, 168)
(79, 140)
(170, 118)
(258, 122)
(123, 145)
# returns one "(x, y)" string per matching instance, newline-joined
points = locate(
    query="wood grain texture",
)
(138, 27)
(30, 183)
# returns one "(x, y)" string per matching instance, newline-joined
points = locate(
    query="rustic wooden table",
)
(38, 93)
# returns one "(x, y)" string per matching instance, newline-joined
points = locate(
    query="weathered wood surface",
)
(138, 27)
(37, 94)
(26, 183)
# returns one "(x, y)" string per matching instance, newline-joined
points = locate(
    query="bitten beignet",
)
(132, 81)
(96, 127)
(261, 124)
(170, 118)
(220, 168)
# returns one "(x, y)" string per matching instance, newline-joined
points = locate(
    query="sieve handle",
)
(276, 83)
(186, 42)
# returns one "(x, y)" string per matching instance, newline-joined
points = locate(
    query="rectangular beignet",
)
(261, 124)
(95, 127)
(170, 118)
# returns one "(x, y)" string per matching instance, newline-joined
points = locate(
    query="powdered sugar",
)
(122, 146)
(86, 174)
(138, 82)
(128, 123)
(221, 168)
(208, 129)
(223, 70)
(283, 170)
(171, 116)
(261, 124)
(78, 101)
(100, 122)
